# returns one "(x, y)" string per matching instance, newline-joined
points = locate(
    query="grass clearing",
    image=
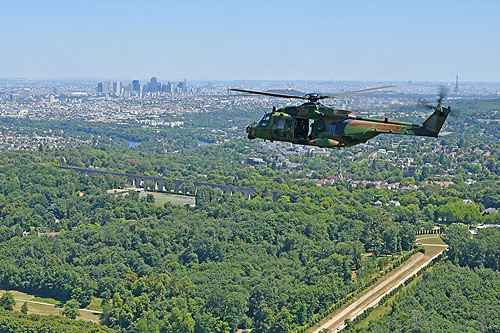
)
(174, 199)
(431, 240)
(18, 294)
(95, 304)
(50, 306)
(89, 316)
(40, 309)
(47, 300)
(160, 197)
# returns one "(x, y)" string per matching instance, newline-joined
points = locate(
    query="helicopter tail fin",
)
(434, 123)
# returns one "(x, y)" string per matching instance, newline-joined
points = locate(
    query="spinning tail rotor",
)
(443, 92)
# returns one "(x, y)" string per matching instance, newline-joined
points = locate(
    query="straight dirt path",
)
(388, 283)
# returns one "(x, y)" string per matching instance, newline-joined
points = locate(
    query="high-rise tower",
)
(153, 85)
(136, 86)
(117, 87)
(456, 85)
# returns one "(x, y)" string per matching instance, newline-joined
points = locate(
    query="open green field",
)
(430, 239)
(174, 199)
(50, 306)
(160, 197)
(45, 300)
(95, 304)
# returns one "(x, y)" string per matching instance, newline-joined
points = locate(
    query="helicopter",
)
(316, 124)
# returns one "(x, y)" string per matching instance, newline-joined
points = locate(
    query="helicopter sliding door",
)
(283, 129)
(301, 129)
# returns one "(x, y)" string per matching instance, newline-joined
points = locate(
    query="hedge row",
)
(319, 316)
(393, 292)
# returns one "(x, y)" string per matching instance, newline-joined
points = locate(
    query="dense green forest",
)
(235, 263)
(483, 250)
(270, 263)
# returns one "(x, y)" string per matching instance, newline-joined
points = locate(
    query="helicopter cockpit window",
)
(264, 121)
(281, 124)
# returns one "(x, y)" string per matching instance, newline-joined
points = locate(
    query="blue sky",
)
(240, 40)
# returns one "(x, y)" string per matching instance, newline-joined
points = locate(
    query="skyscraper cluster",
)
(153, 87)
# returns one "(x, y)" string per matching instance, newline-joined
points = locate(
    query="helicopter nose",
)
(249, 127)
(251, 131)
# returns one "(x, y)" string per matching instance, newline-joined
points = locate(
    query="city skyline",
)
(153, 87)
(323, 40)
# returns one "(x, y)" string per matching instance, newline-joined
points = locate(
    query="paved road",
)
(374, 295)
(49, 304)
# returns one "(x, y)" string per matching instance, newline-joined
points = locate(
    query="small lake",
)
(132, 144)
(203, 143)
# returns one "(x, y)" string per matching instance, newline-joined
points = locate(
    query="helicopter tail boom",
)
(432, 125)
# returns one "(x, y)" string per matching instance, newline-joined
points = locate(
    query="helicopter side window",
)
(264, 121)
(281, 124)
(332, 128)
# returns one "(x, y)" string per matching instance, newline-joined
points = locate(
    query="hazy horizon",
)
(163, 79)
(230, 41)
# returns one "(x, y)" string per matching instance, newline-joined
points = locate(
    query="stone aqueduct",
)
(159, 184)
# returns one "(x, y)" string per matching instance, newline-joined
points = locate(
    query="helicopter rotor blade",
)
(268, 93)
(314, 97)
(355, 92)
(423, 103)
(359, 94)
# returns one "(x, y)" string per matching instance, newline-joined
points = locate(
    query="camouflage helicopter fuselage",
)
(315, 124)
